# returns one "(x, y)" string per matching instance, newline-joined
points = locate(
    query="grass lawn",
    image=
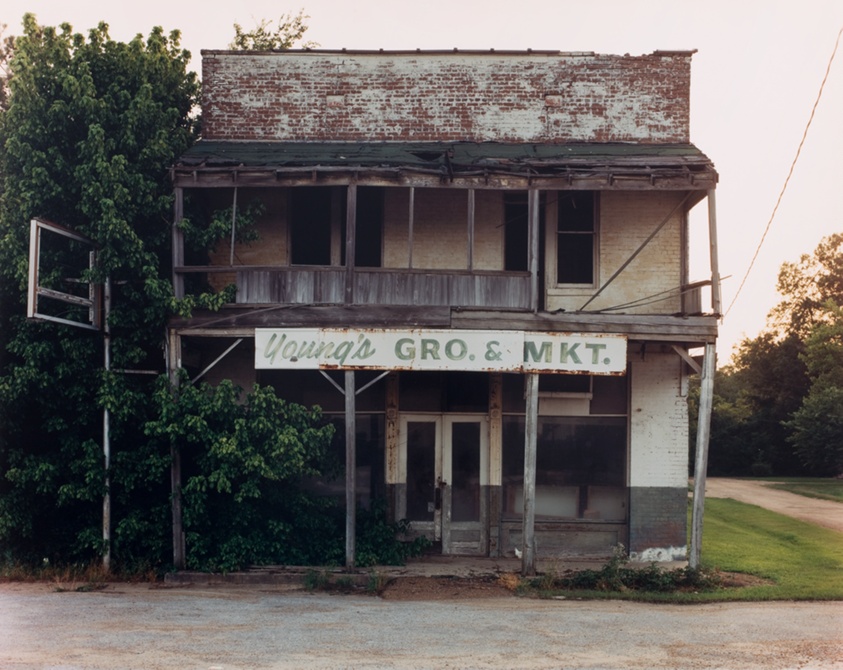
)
(793, 559)
(825, 489)
(802, 560)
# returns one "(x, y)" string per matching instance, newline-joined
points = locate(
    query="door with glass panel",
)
(446, 462)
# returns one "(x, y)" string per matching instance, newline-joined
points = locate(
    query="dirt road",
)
(826, 513)
(135, 627)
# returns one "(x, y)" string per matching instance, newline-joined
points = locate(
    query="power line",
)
(789, 174)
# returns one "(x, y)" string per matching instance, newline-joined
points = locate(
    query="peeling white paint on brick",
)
(446, 97)
(658, 422)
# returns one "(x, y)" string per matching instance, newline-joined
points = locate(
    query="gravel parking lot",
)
(132, 626)
(235, 627)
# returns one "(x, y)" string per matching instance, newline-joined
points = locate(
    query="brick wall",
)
(658, 460)
(372, 97)
(658, 523)
(627, 219)
(658, 421)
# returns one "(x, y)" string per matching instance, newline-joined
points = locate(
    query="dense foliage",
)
(86, 137)
(777, 407)
(87, 133)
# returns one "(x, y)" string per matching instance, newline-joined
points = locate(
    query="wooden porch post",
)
(178, 243)
(701, 461)
(173, 365)
(471, 210)
(528, 536)
(533, 227)
(350, 243)
(716, 300)
(350, 469)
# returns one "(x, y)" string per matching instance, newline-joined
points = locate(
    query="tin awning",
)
(473, 164)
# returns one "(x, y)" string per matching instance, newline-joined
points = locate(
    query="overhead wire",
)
(789, 174)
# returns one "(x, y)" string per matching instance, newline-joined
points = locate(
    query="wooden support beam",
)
(701, 461)
(173, 366)
(716, 300)
(350, 243)
(471, 214)
(350, 469)
(533, 210)
(178, 243)
(106, 433)
(687, 358)
(233, 227)
(528, 532)
(410, 223)
(337, 239)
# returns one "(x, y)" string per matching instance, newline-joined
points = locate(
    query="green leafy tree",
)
(732, 449)
(246, 461)
(806, 287)
(817, 426)
(287, 34)
(85, 140)
(771, 417)
(7, 43)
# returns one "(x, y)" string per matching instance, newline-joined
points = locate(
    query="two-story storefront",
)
(478, 264)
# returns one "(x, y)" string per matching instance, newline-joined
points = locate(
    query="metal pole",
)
(701, 461)
(106, 435)
(350, 468)
(528, 544)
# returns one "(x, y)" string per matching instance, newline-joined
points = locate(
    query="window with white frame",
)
(576, 238)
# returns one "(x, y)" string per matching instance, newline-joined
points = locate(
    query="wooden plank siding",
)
(303, 286)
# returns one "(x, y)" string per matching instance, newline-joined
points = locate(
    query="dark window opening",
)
(516, 238)
(580, 468)
(575, 237)
(444, 391)
(310, 226)
(369, 234)
(564, 383)
(516, 235)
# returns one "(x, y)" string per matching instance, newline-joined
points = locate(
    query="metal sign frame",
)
(35, 291)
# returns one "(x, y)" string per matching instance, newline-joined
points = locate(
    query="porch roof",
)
(468, 164)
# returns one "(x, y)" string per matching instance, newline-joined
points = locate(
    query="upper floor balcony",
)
(555, 229)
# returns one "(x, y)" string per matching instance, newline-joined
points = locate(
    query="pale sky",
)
(754, 81)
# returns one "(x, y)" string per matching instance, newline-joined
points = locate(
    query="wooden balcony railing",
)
(371, 286)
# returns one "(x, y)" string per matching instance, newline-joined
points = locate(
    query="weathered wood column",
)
(533, 228)
(173, 365)
(716, 300)
(701, 461)
(178, 243)
(528, 532)
(350, 241)
(350, 469)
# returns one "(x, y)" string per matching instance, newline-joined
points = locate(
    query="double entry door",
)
(446, 462)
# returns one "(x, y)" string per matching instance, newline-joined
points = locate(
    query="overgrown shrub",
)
(616, 576)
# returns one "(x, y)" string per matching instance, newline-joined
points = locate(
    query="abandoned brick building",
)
(477, 263)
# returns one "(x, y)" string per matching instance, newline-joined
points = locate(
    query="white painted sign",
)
(422, 349)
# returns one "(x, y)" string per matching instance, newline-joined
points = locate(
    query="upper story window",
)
(576, 237)
(318, 226)
(311, 215)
